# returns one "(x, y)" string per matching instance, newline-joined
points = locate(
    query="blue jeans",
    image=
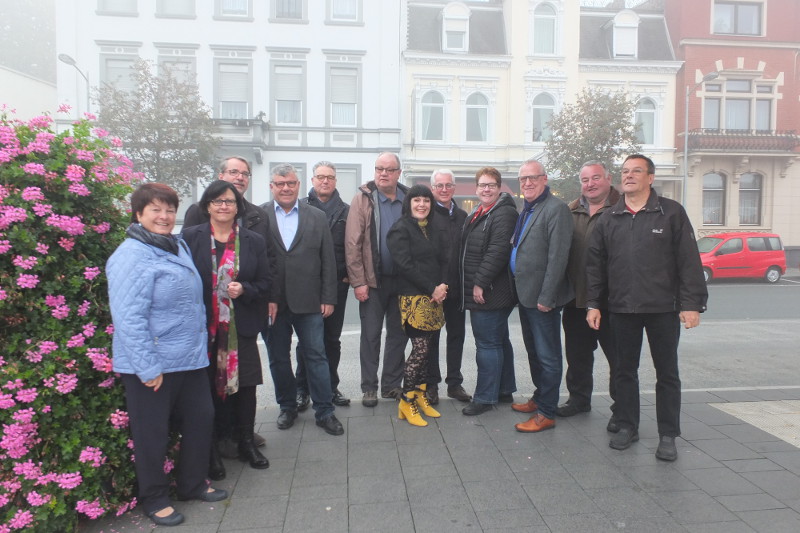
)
(493, 354)
(309, 328)
(541, 333)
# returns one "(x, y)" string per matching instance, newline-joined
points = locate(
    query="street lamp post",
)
(708, 77)
(69, 60)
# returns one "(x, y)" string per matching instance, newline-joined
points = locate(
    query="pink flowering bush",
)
(64, 436)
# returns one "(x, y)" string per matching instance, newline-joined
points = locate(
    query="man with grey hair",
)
(306, 288)
(377, 205)
(448, 217)
(325, 197)
(580, 341)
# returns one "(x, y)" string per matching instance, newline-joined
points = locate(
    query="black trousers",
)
(333, 344)
(580, 342)
(185, 398)
(455, 322)
(663, 333)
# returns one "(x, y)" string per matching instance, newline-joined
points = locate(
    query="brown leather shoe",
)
(527, 407)
(538, 422)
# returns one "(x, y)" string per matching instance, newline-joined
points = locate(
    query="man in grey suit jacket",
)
(306, 279)
(541, 241)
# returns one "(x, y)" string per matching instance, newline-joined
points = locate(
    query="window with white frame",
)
(739, 104)
(122, 7)
(750, 199)
(626, 34)
(347, 180)
(175, 8)
(713, 199)
(289, 92)
(477, 108)
(737, 18)
(289, 9)
(344, 10)
(234, 8)
(432, 117)
(233, 90)
(118, 71)
(344, 97)
(455, 28)
(645, 119)
(183, 69)
(544, 30)
(544, 106)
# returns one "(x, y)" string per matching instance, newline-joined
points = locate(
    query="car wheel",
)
(773, 275)
(707, 274)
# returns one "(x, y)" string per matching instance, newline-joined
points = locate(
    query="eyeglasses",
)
(282, 184)
(220, 201)
(537, 177)
(325, 178)
(490, 186)
(381, 170)
(447, 186)
(233, 172)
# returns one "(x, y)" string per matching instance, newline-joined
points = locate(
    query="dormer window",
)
(626, 34)
(455, 27)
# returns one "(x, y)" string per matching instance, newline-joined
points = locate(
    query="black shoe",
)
(432, 394)
(339, 399)
(458, 393)
(227, 448)
(393, 394)
(475, 408)
(286, 418)
(666, 449)
(571, 409)
(302, 401)
(613, 425)
(248, 453)
(170, 520)
(331, 425)
(623, 439)
(216, 495)
(216, 469)
(506, 398)
(370, 399)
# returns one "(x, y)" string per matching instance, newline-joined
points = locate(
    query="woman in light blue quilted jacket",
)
(159, 348)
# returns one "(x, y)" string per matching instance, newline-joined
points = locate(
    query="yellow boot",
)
(407, 410)
(423, 404)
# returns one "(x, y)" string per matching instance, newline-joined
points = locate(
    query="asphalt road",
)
(748, 338)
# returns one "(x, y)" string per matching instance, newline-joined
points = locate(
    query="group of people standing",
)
(188, 309)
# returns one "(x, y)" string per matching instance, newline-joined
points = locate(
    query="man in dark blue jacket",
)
(643, 260)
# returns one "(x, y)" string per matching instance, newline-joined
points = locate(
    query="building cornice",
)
(457, 60)
(661, 67)
(740, 44)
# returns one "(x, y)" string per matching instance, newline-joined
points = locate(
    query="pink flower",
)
(66, 244)
(91, 272)
(27, 395)
(100, 359)
(84, 155)
(106, 383)
(21, 519)
(110, 329)
(168, 465)
(42, 248)
(40, 122)
(61, 312)
(42, 209)
(31, 194)
(89, 329)
(25, 263)
(69, 141)
(101, 228)
(27, 281)
(16, 384)
(34, 168)
(46, 409)
(119, 419)
(34, 356)
(75, 173)
(100, 132)
(47, 347)
(76, 341)
(7, 401)
(28, 470)
(84, 308)
(116, 142)
(24, 415)
(69, 480)
(92, 455)
(3, 294)
(10, 214)
(91, 509)
(71, 225)
(4, 246)
(55, 301)
(18, 439)
(66, 383)
(80, 189)
(64, 108)
(36, 499)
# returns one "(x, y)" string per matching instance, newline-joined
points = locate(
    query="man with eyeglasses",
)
(450, 218)
(237, 171)
(324, 196)
(580, 341)
(541, 243)
(306, 287)
(375, 208)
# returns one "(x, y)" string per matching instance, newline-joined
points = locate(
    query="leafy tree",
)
(164, 124)
(597, 126)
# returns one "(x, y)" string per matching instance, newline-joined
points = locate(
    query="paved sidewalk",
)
(478, 474)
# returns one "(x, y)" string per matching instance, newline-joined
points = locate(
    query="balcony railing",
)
(743, 140)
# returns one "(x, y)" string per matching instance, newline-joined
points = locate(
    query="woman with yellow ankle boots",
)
(420, 252)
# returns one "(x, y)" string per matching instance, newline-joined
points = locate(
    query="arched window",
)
(432, 114)
(750, 199)
(543, 108)
(645, 121)
(544, 29)
(713, 199)
(477, 117)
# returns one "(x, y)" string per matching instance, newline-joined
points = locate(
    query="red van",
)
(742, 255)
